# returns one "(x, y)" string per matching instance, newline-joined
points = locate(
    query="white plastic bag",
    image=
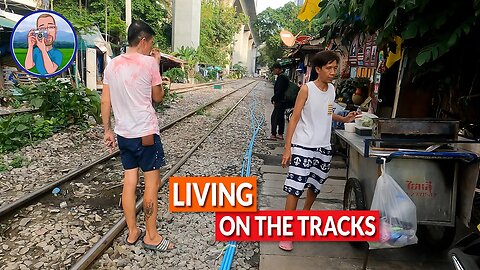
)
(398, 214)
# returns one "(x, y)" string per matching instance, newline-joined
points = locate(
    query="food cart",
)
(441, 182)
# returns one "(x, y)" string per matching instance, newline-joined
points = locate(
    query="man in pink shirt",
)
(131, 82)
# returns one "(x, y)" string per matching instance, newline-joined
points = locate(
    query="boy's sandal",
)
(142, 234)
(286, 245)
(162, 246)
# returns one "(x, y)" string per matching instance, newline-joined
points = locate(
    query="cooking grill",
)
(413, 133)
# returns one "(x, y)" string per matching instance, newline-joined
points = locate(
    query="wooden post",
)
(401, 69)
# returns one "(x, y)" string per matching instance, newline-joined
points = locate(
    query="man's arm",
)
(157, 93)
(345, 119)
(106, 108)
(157, 88)
(31, 42)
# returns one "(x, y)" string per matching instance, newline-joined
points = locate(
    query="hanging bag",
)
(398, 214)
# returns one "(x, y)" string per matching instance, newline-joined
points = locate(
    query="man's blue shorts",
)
(135, 155)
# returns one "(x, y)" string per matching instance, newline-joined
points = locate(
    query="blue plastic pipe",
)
(256, 126)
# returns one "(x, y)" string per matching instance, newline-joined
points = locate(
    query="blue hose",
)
(255, 125)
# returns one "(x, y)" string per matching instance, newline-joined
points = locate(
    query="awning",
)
(6, 23)
(94, 39)
(173, 58)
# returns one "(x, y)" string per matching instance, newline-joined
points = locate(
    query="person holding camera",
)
(43, 56)
(131, 81)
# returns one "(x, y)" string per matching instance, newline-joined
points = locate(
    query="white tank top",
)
(315, 124)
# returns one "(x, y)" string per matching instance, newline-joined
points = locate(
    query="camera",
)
(41, 33)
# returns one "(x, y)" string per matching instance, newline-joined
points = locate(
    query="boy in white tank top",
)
(307, 144)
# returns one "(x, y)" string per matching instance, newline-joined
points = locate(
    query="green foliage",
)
(60, 100)
(59, 105)
(237, 71)
(430, 28)
(190, 55)
(270, 22)
(17, 162)
(218, 26)
(6, 97)
(156, 13)
(176, 75)
(22, 129)
(199, 78)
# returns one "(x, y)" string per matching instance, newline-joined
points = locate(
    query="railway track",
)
(92, 172)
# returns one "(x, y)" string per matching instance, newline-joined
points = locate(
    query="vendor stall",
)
(440, 179)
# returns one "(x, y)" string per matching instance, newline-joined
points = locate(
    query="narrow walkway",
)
(325, 255)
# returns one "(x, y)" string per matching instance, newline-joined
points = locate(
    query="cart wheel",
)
(353, 199)
(436, 237)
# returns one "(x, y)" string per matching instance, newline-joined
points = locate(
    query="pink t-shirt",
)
(130, 78)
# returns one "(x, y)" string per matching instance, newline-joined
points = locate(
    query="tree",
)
(157, 13)
(270, 22)
(218, 26)
(190, 55)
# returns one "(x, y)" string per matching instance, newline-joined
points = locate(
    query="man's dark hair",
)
(276, 65)
(323, 58)
(138, 30)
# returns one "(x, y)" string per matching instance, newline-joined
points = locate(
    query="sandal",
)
(279, 137)
(286, 245)
(162, 246)
(272, 138)
(141, 235)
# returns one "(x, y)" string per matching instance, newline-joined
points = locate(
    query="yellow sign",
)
(309, 9)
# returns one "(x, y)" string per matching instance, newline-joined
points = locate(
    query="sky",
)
(264, 4)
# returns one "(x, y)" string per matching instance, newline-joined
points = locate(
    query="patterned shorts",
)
(308, 168)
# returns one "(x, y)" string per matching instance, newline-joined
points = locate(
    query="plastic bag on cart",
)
(398, 214)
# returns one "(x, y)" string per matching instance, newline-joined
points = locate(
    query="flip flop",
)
(272, 138)
(162, 246)
(286, 245)
(142, 234)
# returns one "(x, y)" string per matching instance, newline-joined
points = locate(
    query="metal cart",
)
(441, 184)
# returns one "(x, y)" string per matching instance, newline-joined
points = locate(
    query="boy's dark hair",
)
(138, 30)
(276, 65)
(323, 58)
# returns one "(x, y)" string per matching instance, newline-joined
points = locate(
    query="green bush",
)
(59, 105)
(60, 100)
(200, 79)
(176, 75)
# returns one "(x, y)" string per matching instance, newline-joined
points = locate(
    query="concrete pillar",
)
(251, 58)
(246, 37)
(186, 23)
(237, 46)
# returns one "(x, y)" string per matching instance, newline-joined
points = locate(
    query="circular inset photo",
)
(43, 43)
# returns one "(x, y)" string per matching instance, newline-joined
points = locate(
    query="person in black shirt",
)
(278, 101)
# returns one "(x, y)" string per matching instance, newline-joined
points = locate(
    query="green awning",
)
(4, 22)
